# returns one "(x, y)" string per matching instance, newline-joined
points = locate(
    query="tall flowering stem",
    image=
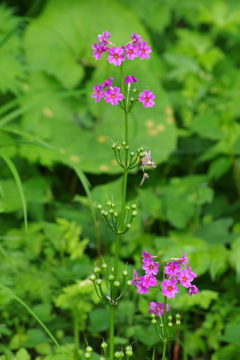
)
(120, 223)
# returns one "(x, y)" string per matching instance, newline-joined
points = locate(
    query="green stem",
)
(111, 332)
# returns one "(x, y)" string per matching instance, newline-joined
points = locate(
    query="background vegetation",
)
(55, 137)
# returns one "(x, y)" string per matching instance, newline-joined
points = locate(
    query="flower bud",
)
(129, 283)
(152, 316)
(178, 316)
(109, 203)
(99, 207)
(96, 269)
(87, 355)
(115, 214)
(118, 148)
(111, 211)
(178, 322)
(169, 317)
(134, 206)
(134, 213)
(111, 277)
(170, 324)
(129, 353)
(113, 146)
(104, 345)
(99, 282)
(153, 321)
(124, 273)
(128, 226)
(124, 143)
(161, 325)
(104, 266)
(118, 354)
(89, 349)
(132, 154)
(127, 207)
(128, 348)
(92, 277)
(127, 147)
(116, 283)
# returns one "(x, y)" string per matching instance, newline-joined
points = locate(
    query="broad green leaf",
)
(22, 354)
(219, 167)
(216, 232)
(208, 126)
(202, 299)
(219, 261)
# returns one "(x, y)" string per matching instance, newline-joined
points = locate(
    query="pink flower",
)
(185, 278)
(150, 267)
(169, 288)
(103, 38)
(115, 56)
(149, 281)
(146, 97)
(172, 268)
(136, 39)
(131, 51)
(192, 290)
(128, 79)
(157, 308)
(98, 50)
(146, 256)
(183, 259)
(144, 50)
(107, 82)
(113, 95)
(98, 92)
(141, 289)
(135, 278)
(191, 273)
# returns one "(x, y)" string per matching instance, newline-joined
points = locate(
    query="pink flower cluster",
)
(175, 272)
(112, 94)
(116, 55)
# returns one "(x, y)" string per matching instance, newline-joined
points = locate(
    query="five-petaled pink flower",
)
(136, 39)
(113, 95)
(128, 79)
(144, 50)
(169, 288)
(192, 290)
(185, 278)
(98, 50)
(115, 56)
(146, 97)
(131, 51)
(157, 308)
(172, 268)
(103, 38)
(150, 267)
(98, 94)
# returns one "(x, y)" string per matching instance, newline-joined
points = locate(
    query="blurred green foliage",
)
(57, 140)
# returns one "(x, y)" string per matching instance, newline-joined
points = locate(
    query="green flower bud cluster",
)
(167, 334)
(129, 160)
(112, 218)
(118, 354)
(116, 290)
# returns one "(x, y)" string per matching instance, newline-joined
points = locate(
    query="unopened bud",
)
(89, 349)
(134, 213)
(123, 143)
(92, 277)
(129, 283)
(118, 148)
(134, 206)
(118, 354)
(178, 316)
(169, 317)
(152, 316)
(99, 282)
(87, 355)
(99, 207)
(127, 207)
(96, 269)
(104, 345)
(124, 273)
(113, 146)
(128, 226)
(104, 266)
(111, 211)
(116, 283)
(170, 324)
(161, 325)
(115, 214)
(111, 277)
(178, 322)
(109, 203)
(153, 321)
(132, 153)
(129, 348)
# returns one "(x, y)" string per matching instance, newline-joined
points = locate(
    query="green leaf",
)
(219, 167)
(216, 232)
(202, 299)
(22, 354)
(219, 261)
(208, 126)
